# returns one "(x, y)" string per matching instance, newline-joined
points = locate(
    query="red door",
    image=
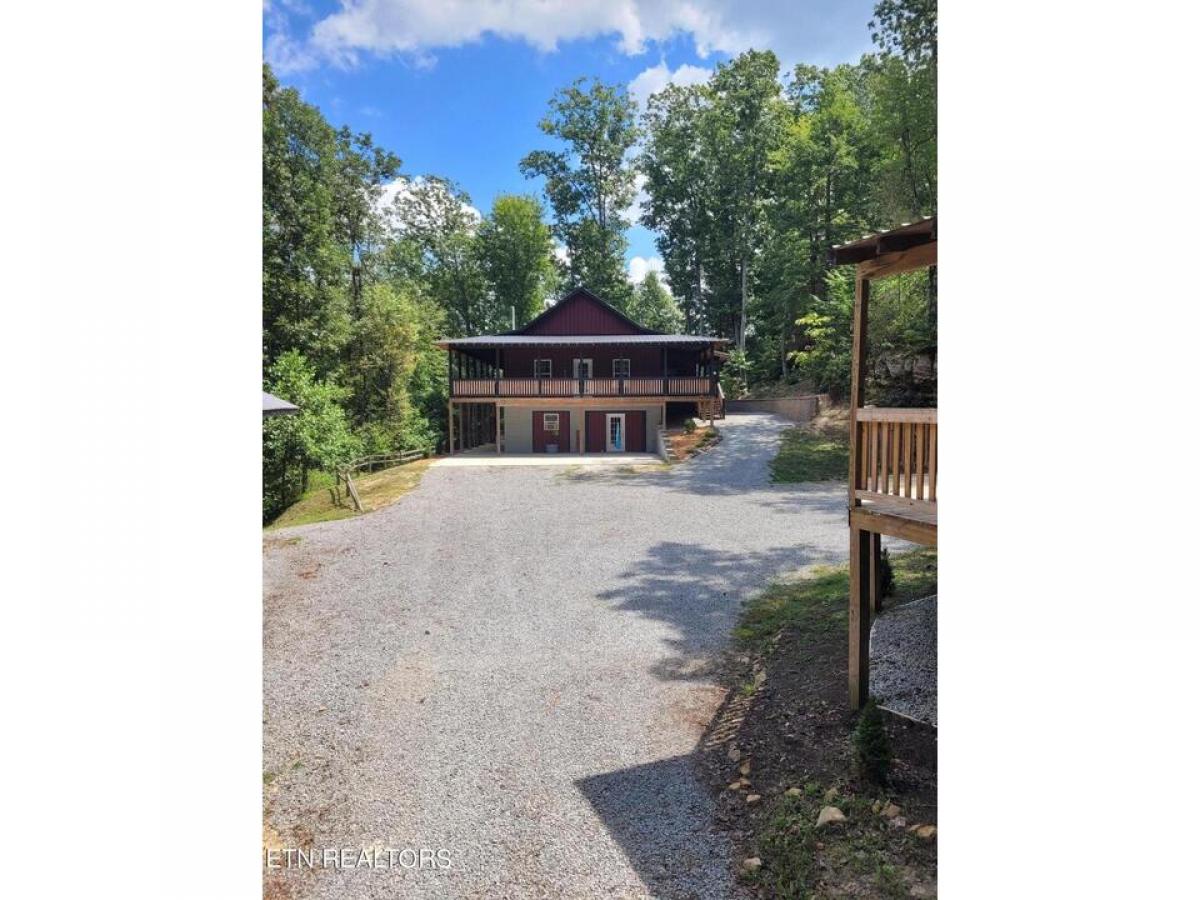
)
(635, 430)
(595, 432)
(551, 431)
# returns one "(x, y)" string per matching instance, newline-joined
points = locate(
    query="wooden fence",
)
(373, 464)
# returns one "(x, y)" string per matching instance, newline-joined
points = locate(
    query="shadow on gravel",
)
(646, 809)
(697, 590)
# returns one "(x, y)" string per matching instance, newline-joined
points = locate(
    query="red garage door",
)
(635, 429)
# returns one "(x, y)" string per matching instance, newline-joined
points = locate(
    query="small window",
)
(550, 422)
(620, 368)
(543, 368)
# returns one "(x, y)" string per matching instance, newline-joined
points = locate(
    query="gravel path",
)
(510, 663)
(904, 659)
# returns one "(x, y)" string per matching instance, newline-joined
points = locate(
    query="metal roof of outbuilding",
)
(273, 406)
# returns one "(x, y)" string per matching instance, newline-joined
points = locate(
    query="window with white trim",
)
(543, 368)
(550, 422)
(620, 368)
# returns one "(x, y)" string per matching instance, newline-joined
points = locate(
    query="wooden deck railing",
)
(640, 386)
(897, 456)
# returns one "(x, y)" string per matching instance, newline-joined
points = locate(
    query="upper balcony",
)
(680, 386)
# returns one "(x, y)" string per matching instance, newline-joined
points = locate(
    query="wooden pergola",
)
(893, 452)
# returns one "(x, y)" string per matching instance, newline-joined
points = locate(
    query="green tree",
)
(305, 267)
(318, 437)
(679, 176)
(744, 131)
(824, 357)
(590, 183)
(516, 253)
(654, 307)
(435, 215)
(904, 108)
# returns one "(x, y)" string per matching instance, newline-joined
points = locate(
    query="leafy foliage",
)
(748, 182)
(748, 178)
(516, 257)
(653, 306)
(872, 750)
(887, 575)
(319, 437)
(590, 183)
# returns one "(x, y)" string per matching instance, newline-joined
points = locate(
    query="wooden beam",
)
(921, 257)
(897, 414)
(450, 421)
(876, 573)
(858, 373)
(906, 529)
(860, 617)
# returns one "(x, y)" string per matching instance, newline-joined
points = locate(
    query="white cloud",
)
(639, 267)
(654, 79)
(562, 254)
(394, 189)
(819, 31)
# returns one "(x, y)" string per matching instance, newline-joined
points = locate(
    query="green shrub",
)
(872, 750)
(887, 578)
(689, 426)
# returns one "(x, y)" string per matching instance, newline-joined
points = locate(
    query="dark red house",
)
(581, 377)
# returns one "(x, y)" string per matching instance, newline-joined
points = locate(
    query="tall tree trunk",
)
(742, 325)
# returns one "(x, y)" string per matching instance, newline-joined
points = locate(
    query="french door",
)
(614, 432)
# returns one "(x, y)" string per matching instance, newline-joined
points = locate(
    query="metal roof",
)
(273, 406)
(567, 340)
(869, 246)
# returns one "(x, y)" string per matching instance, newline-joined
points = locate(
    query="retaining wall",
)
(798, 409)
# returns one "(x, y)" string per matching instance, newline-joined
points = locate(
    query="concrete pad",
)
(491, 458)
(904, 659)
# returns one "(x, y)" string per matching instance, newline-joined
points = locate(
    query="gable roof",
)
(580, 317)
(581, 312)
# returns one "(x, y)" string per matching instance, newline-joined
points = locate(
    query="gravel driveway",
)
(510, 663)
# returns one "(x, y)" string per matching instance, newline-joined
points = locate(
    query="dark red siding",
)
(541, 437)
(580, 314)
(643, 361)
(635, 430)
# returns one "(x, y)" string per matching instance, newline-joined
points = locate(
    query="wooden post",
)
(497, 424)
(450, 420)
(860, 617)
(876, 579)
(858, 372)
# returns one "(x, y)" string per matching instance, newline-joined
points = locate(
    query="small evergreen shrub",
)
(872, 750)
(689, 426)
(887, 578)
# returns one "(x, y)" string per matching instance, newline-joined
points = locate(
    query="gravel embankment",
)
(904, 659)
(511, 663)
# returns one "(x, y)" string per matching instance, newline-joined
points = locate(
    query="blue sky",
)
(456, 87)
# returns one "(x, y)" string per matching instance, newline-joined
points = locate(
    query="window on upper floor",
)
(620, 368)
(543, 368)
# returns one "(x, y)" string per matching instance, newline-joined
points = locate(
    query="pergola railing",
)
(640, 386)
(896, 450)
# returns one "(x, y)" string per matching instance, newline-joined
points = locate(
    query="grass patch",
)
(376, 491)
(808, 455)
(817, 602)
(862, 850)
